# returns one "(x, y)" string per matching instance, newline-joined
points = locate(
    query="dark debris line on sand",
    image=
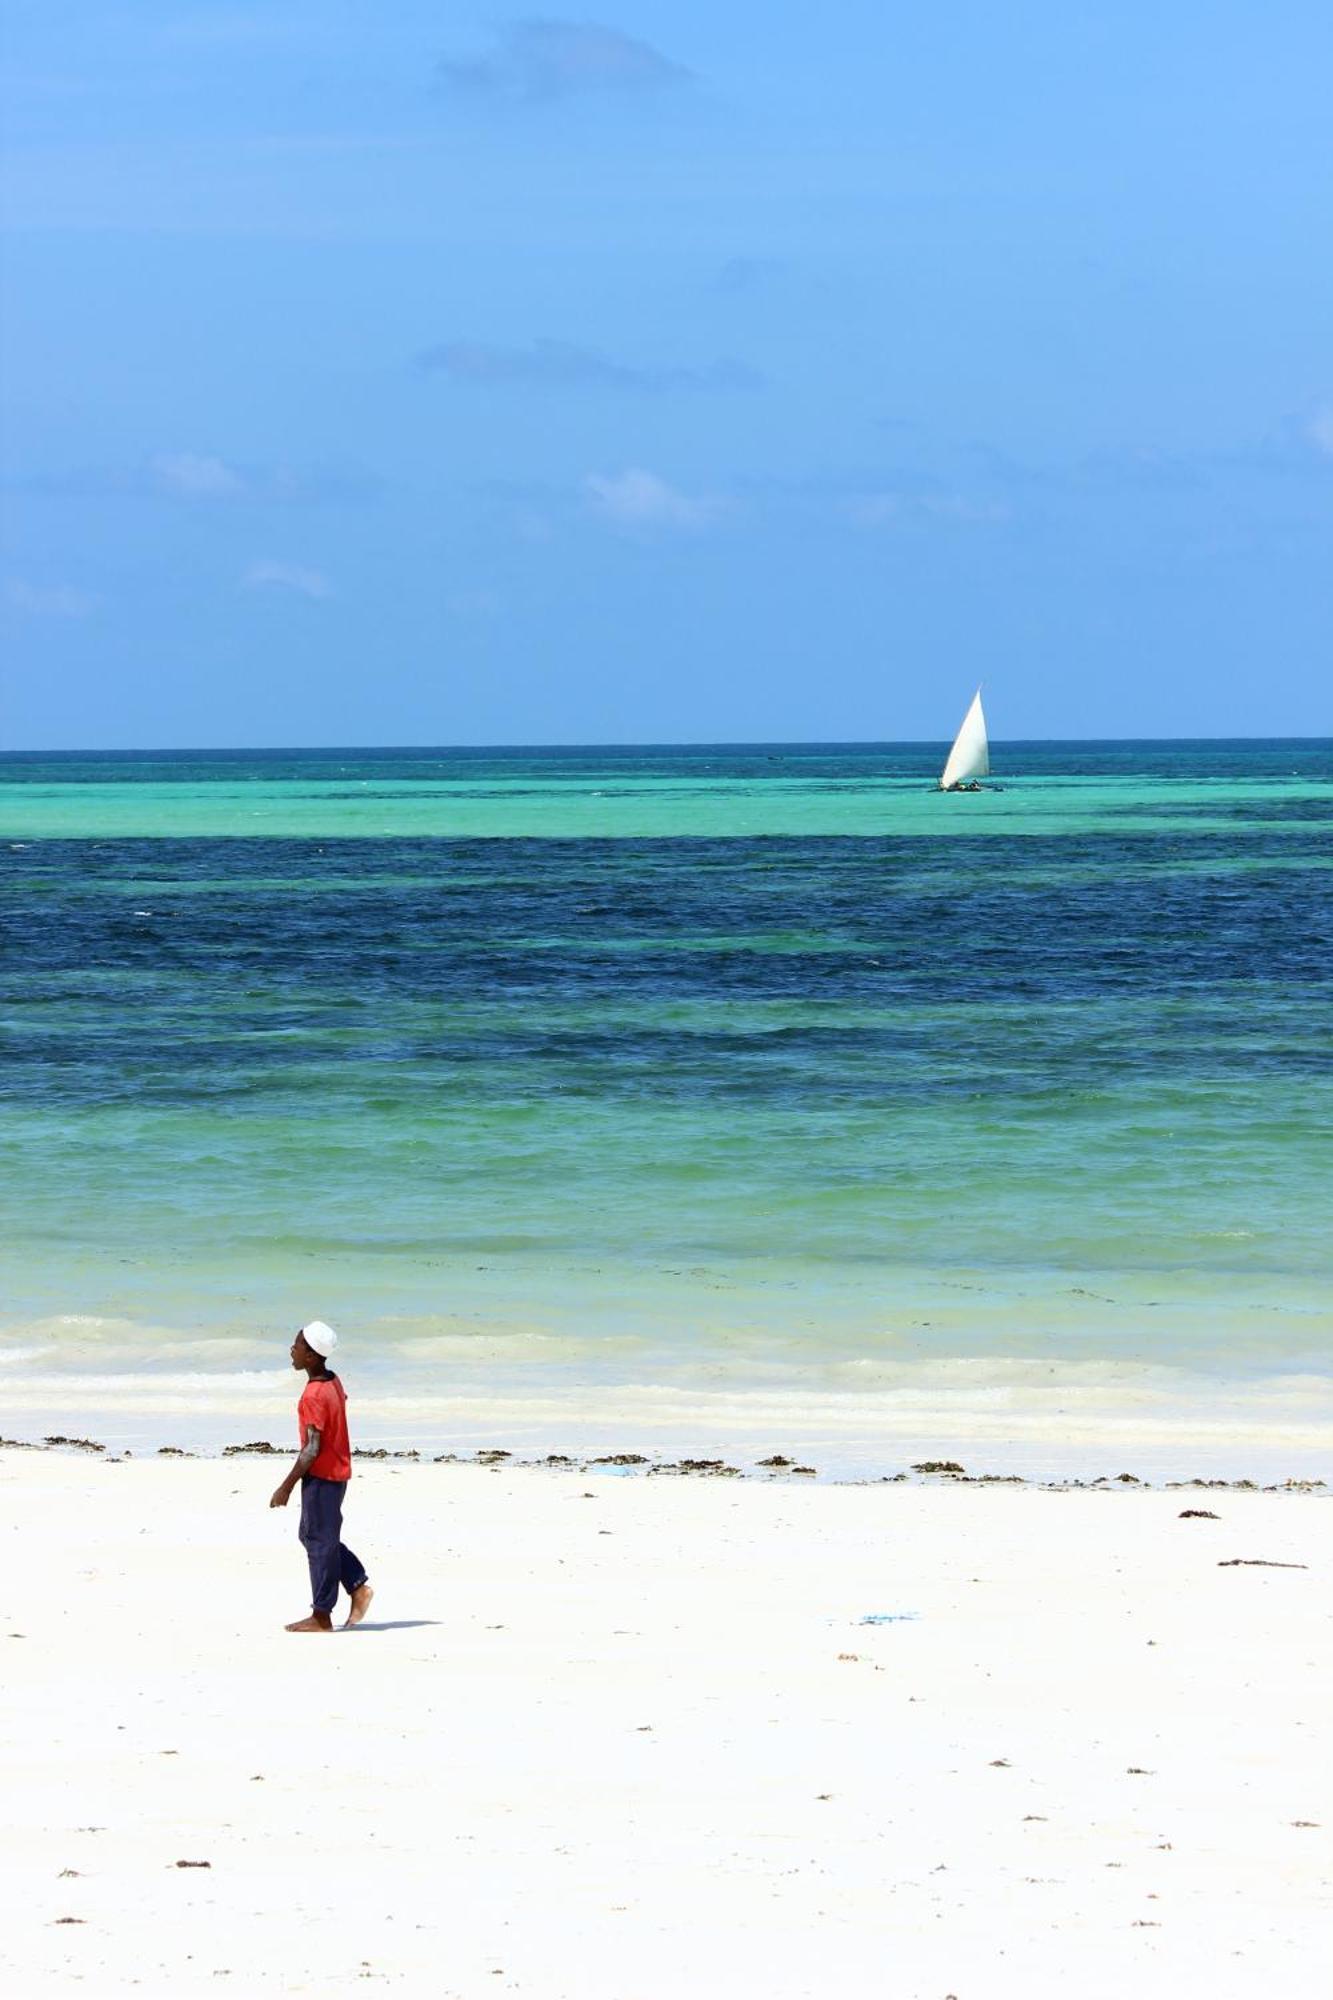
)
(1257, 1562)
(948, 1470)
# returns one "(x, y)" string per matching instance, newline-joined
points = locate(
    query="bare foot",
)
(361, 1597)
(318, 1621)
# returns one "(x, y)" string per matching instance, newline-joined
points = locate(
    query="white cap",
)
(320, 1337)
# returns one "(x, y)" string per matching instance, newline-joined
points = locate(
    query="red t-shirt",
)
(323, 1407)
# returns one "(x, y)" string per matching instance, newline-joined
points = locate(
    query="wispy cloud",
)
(57, 600)
(889, 498)
(190, 476)
(194, 475)
(473, 603)
(744, 274)
(561, 364)
(285, 576)
(894, 510)
(1321, 430)
(539, 60)
(233, 27)
(1298, 447)
(533, 525)
(639, 499)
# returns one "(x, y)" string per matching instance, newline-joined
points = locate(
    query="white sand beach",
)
(609, 1738)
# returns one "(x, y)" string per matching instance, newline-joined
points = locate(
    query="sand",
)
(628, 1738)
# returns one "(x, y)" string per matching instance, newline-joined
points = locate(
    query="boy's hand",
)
(305, 1458)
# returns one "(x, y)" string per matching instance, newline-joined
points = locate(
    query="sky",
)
(675, 373)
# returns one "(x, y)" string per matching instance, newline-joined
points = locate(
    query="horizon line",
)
(620, 744)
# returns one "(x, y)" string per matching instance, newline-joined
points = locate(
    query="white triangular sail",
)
(970, 756)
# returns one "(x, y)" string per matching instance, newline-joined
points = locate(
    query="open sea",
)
(677, 1098)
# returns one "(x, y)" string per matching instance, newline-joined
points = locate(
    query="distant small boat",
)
(969, 760)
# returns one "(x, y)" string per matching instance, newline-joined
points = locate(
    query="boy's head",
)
(313, 1345)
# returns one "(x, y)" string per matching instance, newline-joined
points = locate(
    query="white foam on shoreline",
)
(1014, 1416)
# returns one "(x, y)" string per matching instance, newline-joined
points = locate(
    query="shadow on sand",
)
(393, 1624)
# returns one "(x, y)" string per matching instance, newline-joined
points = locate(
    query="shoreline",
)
(777, 1469)
(1000, 1417)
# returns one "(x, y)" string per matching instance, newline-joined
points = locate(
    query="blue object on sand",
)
(887, 1618)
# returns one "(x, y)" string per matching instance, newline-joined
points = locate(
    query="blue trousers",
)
(331, 1561)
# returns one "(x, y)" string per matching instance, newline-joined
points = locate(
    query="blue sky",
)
(426, 374)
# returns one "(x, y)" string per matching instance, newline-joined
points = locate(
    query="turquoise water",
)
(724, 1069)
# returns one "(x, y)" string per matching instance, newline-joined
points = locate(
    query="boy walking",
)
(323, 1466)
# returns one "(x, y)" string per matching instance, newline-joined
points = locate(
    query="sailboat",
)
(969, 759)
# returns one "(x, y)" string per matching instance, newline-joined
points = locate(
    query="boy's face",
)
(301, 1354)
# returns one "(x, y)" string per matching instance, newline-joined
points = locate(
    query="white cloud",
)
(287, 576)
(639, 499)
(58, 600)
(194, 476)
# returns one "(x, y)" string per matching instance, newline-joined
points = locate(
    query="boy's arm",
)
(305, 1458)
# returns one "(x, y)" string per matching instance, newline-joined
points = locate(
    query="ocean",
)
(677, 1097)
